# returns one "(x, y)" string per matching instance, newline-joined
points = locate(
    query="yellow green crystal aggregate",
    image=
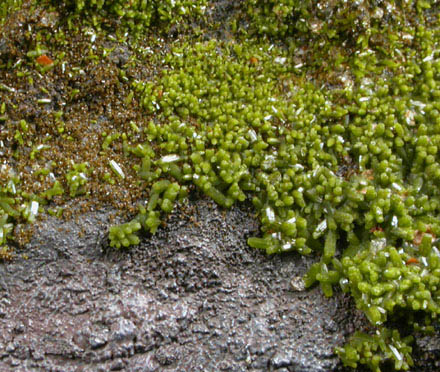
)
(345, 168)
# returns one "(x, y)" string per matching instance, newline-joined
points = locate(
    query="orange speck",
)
(412, 260)
(44, 60)
(253, 60)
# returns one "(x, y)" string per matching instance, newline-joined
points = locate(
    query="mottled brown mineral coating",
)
(98, 107)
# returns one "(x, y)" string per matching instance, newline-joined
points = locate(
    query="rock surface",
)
(194, 297)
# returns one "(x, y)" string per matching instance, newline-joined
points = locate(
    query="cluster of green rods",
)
(350, 172)
(137, 15)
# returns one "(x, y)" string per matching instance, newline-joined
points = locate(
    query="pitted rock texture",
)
(194, 297)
